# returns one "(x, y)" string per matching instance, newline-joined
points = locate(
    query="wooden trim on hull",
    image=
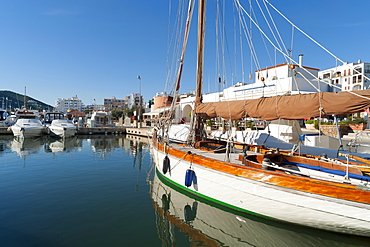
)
(314, 186)
(212, 200)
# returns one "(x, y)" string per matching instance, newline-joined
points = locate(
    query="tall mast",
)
(198, 93)
(201, 34)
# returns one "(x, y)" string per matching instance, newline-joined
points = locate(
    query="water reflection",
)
(101, 145)
(26, 146)
(57, 145)
(210, 225)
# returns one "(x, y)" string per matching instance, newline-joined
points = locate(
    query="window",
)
(357, 70)
(367, 69)
(357, 87)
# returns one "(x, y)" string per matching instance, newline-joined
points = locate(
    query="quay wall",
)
(99, 130)
(145, 131)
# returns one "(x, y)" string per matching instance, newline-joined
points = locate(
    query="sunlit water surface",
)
(102, 191)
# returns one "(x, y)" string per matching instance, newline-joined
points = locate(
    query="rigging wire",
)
(273, 44)
(309, 37)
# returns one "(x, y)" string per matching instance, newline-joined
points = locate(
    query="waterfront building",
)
(114, 103)
(65, 104)
(92, 107)
(282, 79)
(349, 77)
(134, 99)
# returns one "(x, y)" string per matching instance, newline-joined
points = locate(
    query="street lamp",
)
(139, 120)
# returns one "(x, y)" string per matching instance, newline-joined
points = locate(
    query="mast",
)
(24, 99)
(200, 55)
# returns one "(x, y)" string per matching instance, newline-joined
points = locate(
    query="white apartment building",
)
(62, 105)
(349, 77)
(134, 99)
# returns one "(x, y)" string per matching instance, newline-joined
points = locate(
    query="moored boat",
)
(28, 124)
(62, 128)
(271, 194)
(58, 125)
(317, 194)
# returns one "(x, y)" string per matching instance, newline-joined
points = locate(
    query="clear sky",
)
(95, 49)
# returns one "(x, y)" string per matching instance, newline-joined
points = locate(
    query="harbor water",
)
(103, 191)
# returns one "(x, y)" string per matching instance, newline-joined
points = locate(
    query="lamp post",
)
(139, 116)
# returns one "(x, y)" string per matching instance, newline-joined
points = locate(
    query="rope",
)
(309, 37)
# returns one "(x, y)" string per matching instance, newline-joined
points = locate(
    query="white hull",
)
(27, 128)
(269, 201)
(60, 131)
(218, 227)
(62, 128)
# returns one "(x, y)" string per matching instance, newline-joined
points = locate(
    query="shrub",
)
(209, 122)
(353, 121)
(311, 121)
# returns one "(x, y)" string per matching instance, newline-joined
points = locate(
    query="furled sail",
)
(288, 106)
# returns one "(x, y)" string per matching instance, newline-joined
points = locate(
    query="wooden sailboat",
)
(273, 186)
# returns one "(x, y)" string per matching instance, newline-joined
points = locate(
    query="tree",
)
(117, 113)
(128, 112)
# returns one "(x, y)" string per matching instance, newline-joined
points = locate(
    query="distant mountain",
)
(11, 100)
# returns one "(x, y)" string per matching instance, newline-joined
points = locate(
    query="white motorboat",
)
(50, 116)
(28, 124)
(62, 128)
(27, 128)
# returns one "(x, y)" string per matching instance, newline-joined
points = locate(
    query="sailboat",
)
(314, 192)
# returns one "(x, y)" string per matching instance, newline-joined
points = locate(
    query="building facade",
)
(114, 103)
(65, 104)
(134, 99)
(348, 77)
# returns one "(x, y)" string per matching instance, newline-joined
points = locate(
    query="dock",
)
(118, 130)
(101, 130)
(144, 131)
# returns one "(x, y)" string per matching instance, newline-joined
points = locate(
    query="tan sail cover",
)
(288, 107)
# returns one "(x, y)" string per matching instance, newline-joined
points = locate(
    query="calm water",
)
(102, 191)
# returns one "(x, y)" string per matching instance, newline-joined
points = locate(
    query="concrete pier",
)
(101, 130)
(145, 131)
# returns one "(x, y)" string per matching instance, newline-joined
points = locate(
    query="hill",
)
(12, 100)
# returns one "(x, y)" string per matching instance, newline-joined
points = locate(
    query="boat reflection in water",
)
(210, 225)
(26, 146)
(68, 144)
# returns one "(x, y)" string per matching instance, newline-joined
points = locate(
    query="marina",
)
(260, 137)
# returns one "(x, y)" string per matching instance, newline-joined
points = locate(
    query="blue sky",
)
(96, 49)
